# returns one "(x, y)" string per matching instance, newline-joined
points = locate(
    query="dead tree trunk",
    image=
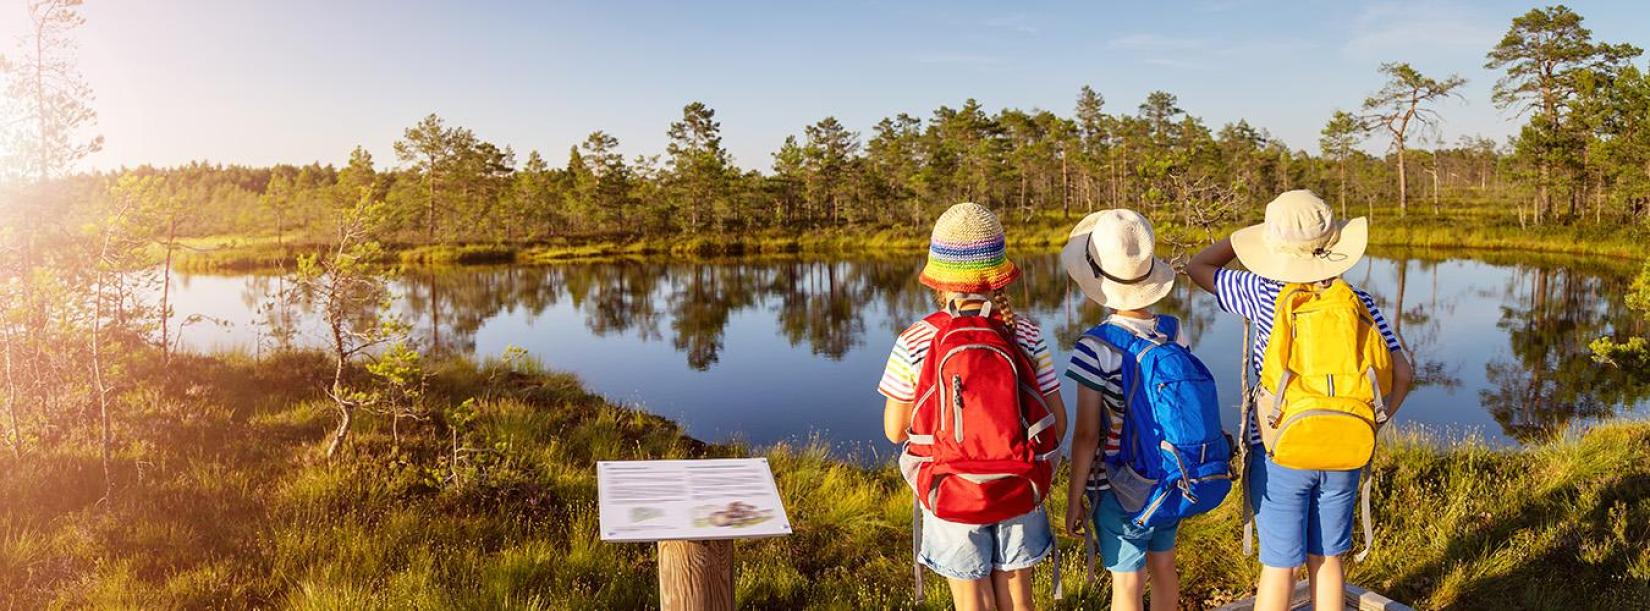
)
(166, 293)
(345, 414)
(1065, 187)
(1403, 182)
(11, 402)
(99, 384)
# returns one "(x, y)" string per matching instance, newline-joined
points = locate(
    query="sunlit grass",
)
(236, 508)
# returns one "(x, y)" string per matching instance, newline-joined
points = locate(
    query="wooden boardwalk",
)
(1357, 599)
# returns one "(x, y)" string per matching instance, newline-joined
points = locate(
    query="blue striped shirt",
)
(1256, 298)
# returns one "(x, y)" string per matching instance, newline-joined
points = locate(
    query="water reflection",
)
(1500, 345)
(1549, 379)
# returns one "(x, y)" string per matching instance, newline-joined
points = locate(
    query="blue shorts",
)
(1123, 545)
(1300, 512)
(970, 551)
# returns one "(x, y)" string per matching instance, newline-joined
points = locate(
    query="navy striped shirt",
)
(1256, 298)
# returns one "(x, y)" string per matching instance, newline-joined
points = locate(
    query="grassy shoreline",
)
(243, 253)
(223, 500)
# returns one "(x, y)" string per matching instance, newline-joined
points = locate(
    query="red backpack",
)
(981, 445)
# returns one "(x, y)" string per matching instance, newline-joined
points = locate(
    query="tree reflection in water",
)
(1537, 382)
(1551, 380)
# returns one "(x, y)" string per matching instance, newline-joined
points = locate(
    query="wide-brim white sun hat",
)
(1301, 241)
(1110, 257)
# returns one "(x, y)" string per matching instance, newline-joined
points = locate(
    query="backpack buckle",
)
(1186, 488)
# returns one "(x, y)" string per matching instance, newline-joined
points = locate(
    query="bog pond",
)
(770, 350)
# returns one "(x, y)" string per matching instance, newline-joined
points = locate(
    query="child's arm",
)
(1057, 406)
(1403, 378)
(1084, 440)
(896, 419)
(1202, 267)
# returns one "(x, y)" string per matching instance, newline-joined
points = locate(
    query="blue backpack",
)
(1174, 459)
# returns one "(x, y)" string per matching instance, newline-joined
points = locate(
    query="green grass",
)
(223, 500)
(1469, 225)
(468, 254)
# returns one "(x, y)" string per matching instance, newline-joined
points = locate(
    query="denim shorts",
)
(1123, 545)
(1300, 512)
(971, 551)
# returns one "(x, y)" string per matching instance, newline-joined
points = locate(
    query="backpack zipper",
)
(1320, 412)
(956, 421)
(1138, 359)
(1151, 509)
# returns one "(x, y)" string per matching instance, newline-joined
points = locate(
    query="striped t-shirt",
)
(1256, 298)
(1097, 365)
(899, 378)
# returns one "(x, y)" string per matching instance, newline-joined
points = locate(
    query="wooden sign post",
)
(696, 575)
(694, 509)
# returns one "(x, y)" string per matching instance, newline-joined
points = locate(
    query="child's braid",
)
(1004, 310)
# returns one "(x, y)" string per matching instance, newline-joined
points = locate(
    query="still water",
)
(788, 350)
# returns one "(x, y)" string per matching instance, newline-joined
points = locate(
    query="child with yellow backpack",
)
(1331, 373)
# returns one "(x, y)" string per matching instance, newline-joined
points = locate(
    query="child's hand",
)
(1077, 515)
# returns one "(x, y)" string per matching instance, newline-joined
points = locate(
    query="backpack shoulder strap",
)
(1123, 341)
(938, 319)
(1358, 297)
(1116, 336)
(1169, 327)
(1288, 290)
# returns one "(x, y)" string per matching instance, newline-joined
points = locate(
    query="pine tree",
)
(1545, 53)
(1339, 137)
(699, 166)
(1400, 104)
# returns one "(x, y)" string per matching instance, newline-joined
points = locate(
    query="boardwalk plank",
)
(1357, 599)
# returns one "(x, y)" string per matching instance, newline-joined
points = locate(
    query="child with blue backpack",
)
(1164, 456)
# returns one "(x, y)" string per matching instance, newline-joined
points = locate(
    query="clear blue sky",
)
(299, 81)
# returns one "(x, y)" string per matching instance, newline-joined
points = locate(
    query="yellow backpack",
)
(1323, 381)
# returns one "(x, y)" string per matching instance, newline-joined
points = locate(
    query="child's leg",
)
(1281, 498)
(1328, 535)
(1012, 589)
(1022, 542)
(1123, 549)
(1328, 583)
(1273, 590)
(971, 594)
(1165, 580)
(1127, 589)
(962, 554)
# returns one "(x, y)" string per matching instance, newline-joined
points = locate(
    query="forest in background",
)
(1582, 156)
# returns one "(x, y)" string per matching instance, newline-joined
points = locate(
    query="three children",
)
(1142, 458)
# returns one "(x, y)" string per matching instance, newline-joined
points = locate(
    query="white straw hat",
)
(1110, 257)
(1301, 241)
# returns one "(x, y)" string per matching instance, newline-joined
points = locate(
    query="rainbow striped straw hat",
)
(968, 253)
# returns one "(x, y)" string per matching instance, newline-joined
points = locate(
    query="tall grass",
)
(225, 501)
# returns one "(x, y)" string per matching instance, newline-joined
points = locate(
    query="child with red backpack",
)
(1165, 456)
(971, 392)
